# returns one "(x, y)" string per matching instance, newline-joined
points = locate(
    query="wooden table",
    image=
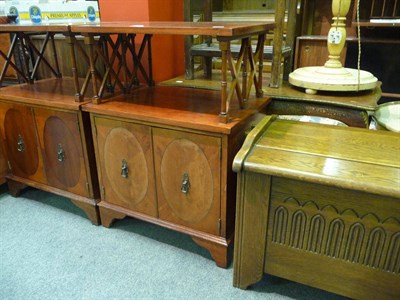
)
(223, 31)
(352, 109)
(320, 205)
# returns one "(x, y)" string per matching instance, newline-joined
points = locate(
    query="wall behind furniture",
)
(168, 52)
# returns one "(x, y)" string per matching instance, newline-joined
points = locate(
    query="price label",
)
(335, 37)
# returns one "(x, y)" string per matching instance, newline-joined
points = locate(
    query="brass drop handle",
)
(185, 183)
(124, 169)
(20, 144)
(60, 153)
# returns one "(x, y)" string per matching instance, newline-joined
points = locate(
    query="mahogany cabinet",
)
(47, 142)
(164, 157)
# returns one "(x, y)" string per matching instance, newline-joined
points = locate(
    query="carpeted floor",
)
(50, 250)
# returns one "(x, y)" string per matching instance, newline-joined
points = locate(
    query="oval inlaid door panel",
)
(61, 144)
(61, 151)
(126, 165)
(187, 182)
(188, 178)
(21, 144)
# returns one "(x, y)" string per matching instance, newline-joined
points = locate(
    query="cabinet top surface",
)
(52, 92)
(228, 29)
(353, 158)
(176, 106)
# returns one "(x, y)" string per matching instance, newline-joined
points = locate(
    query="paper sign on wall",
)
(37, 12)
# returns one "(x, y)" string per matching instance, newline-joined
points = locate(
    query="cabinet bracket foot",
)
(219, 252)
(107, 216)
(91, 211)
(15, 188)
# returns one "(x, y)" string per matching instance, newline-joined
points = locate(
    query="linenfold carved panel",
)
(345, 235)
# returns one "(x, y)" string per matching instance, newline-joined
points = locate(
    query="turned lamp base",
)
(315, 79)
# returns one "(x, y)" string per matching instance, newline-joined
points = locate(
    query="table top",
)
(227, 29)
(219, 29)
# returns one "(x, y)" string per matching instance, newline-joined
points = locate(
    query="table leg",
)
(125, 76)
(245, 43)
(260, 53)
(54, 49)
(224, 47)
(150, 59)
(89, 40)
(70, 39)
(24, 56)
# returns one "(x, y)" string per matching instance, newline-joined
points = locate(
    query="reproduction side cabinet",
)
(46, 144)
(185, 174)
(162, 163)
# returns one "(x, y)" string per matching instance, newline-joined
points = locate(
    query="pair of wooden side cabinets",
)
(166, 165)
(162, 154)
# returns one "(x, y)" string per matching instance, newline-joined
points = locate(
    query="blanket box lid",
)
(345, 157)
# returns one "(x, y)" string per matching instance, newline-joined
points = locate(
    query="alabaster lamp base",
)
(315, 79)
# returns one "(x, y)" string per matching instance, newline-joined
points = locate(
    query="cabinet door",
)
(18, 130)
(188, 179)
(125, 165)
(61, 146)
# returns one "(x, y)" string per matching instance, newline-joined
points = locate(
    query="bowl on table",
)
(388, 115)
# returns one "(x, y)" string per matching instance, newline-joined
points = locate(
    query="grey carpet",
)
(50, 250)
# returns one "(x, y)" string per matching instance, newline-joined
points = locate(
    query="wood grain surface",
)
(223, 29)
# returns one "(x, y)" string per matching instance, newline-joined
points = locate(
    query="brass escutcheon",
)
(20, 144)
(185, 183)
(124, 169)
(60, 153)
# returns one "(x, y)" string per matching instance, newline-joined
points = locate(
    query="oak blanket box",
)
(320, 205)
